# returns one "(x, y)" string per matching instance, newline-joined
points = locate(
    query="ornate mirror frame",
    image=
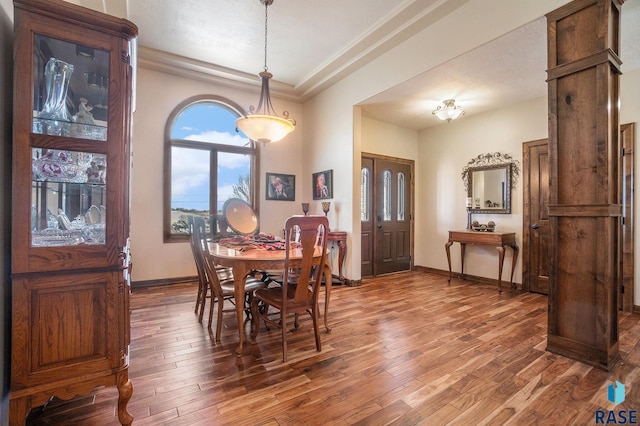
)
(490, 162)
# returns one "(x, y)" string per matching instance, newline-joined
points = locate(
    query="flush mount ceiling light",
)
(262, 124)
(448, 111)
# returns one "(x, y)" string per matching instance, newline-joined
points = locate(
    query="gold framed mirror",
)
(488, 180)
(490, 189)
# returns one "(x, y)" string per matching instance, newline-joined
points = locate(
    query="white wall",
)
(325, 139)
(317, 145)
(630, 113)
(388, 139)
(445, 150)
(330, 119)
(157, 95)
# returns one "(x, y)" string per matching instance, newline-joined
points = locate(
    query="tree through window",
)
(206, 162)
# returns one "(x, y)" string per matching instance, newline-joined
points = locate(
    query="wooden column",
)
(585, 193)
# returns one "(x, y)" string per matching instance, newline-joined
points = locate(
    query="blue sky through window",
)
(205, 122)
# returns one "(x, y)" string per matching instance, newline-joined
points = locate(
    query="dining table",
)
(243, 262)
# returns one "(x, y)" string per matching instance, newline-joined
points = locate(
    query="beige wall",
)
(6, 92)
(444, 151)
(388, 139)
(324, 140)
(157, 95)
(331, 136)
(336, 104)
(440, 153)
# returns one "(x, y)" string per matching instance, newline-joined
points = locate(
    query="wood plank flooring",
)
(406, 349)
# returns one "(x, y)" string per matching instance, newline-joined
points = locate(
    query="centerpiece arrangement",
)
(259, 241)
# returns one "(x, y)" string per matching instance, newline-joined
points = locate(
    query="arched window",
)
(206, 163)
(365, 196)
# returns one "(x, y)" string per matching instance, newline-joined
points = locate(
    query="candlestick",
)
(325, 207)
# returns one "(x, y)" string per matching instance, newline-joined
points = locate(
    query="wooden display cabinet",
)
(70, 209)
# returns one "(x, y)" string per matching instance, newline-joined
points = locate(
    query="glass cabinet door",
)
(68, 198)
(71, 89)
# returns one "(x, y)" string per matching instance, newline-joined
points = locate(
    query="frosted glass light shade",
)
(265, 128)
(449, 111)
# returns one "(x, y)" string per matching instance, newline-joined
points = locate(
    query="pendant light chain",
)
(266, 16)
(263, 124)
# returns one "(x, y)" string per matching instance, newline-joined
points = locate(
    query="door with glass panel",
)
(386, 215)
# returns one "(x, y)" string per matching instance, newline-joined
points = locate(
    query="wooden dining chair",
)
(302, 276)
(203, 285)
(220, 281)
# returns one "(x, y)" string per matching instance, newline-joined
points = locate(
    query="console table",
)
(341, 238)
(499, 240)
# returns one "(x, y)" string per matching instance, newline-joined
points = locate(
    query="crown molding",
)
(182, 66)
(403, 23)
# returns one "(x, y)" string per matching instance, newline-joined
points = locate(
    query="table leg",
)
(342, 251)
(463, 246)
(327, 295)
(513, 264)
(500, 263)
(447, 246)
(239, 276)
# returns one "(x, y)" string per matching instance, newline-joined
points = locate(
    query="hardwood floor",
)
(405, 349)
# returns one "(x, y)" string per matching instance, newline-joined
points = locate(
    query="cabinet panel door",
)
(65, 326)
(72, 135)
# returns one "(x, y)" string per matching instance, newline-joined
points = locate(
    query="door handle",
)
(535, 226)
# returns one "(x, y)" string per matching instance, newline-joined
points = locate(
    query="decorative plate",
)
(94, 215)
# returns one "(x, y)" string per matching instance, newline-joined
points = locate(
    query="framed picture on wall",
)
(323, 185)
(281, 187)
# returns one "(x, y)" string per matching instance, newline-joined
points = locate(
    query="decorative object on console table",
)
(70, 283)
(305, 208)
(326, 205)
(482, 227)
(323, 185)
(497, 239)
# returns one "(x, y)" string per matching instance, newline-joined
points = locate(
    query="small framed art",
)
(281, 187)
(323, 185)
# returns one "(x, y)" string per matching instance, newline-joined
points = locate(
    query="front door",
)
(387, 235)
(535, 267)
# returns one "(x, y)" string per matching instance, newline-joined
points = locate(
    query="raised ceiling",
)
(313, 43)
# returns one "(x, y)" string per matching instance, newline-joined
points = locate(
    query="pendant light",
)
(262, 124)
